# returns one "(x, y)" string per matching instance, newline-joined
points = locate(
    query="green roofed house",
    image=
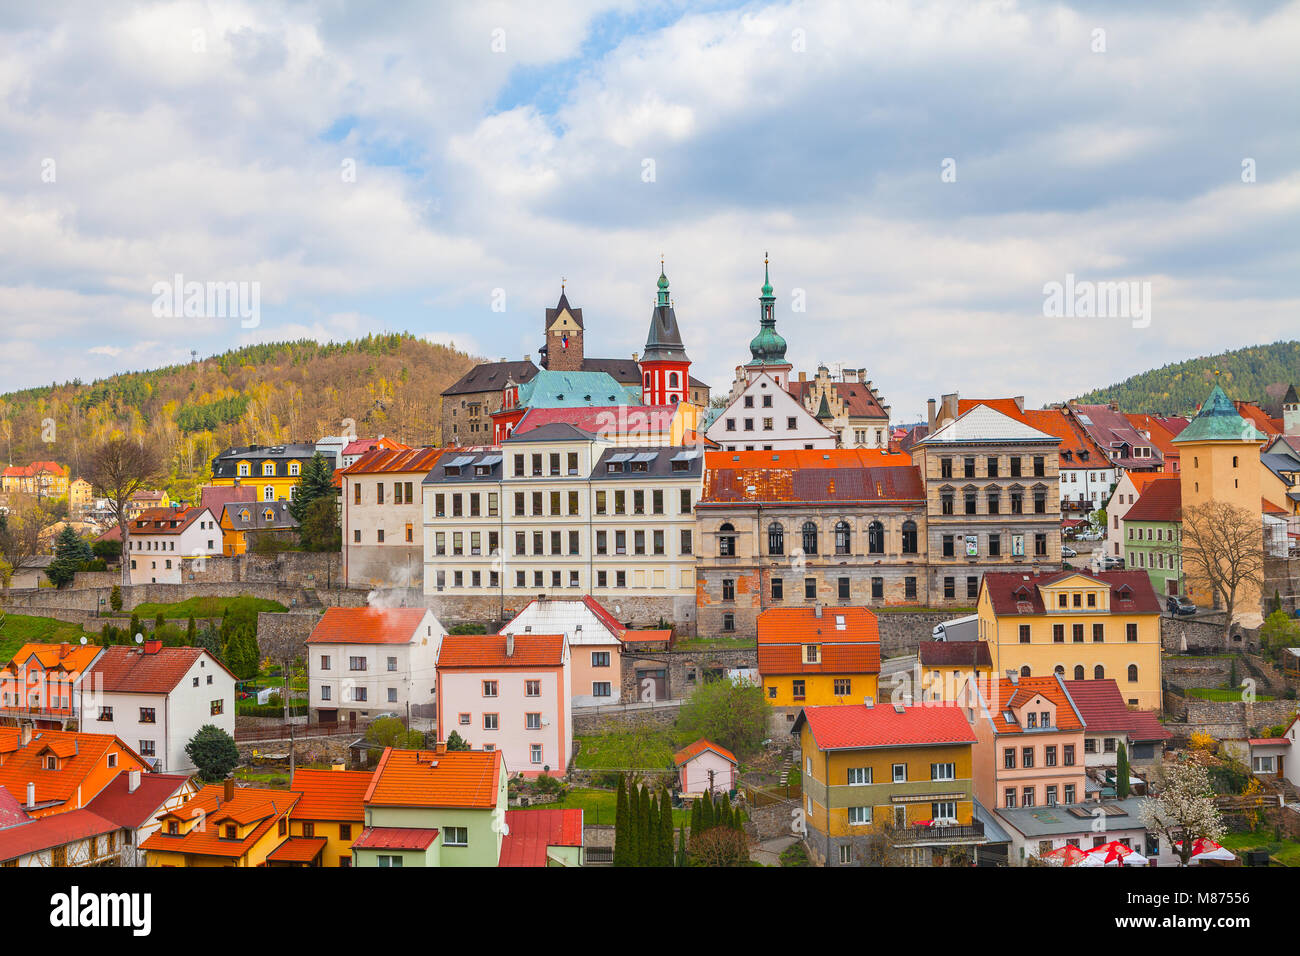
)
(1150, 533)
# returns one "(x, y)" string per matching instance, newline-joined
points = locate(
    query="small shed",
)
(704, 766)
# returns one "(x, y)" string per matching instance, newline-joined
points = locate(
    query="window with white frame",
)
(900, 773)
(859, 776)
(943, 771)
(859, 816)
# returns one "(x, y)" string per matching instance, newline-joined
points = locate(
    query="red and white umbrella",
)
(1114, 853)
(1206, 849)
(1068, 855)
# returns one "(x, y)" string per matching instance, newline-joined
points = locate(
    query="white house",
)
(134, 801)
(365, 661)
(161, 537)
(762, 416)
(595, 643)
(156, 698)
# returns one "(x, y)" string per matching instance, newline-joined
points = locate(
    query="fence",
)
(766, 796)
(296, 731)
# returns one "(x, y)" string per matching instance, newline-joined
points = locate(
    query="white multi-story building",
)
(156, 698)
(564, 510)
(161, 538)
(365, 661)
(383, 526)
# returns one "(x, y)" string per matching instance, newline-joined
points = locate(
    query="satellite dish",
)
(83, 639)
(139, 638)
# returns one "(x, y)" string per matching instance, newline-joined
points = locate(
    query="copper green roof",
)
(1218, 420)
(767, 348)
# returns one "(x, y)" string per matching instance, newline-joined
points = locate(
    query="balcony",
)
(937, 834)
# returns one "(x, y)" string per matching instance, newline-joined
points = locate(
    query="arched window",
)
(1078, 672)
(775, 538)
(1132, 673)
(1059, 669)
(875, 538)
(1099, 673)
(727, 540)
(672, 379)
(647, 379)
(809, 538)
(909, 537)
(1024, 671)
(843, 538)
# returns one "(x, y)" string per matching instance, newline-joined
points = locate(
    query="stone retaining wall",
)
(621, 721)
(282, 635)
(1223, 719)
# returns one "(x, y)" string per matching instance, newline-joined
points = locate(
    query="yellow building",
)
(1219, 451)
(274, 470)
(330, 815)
(222, 826)
(80, 496)
(145, 500)
(945, 668)
(899, 773)
(1080, 625)
(815, 655)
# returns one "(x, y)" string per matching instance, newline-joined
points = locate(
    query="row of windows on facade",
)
(1139, 559)
(561, 543)
(1025, 633)
(942, 810)
(993, 496)
(148, 715)
(1080, 673)
(268, 469)
(557, 579)
(810, 536)
(558, 504)
(843, 587)
(993, 467)
(843, 686)
(149, 545)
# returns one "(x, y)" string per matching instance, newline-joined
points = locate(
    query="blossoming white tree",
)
(1183, 810)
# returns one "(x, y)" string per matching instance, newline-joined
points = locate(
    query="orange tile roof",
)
(367, 625)
(649, 635)
(331, 794)
(1052, 421)
(465, 779)
(297, 849)
(691, 751)
(1007, 406)
(857, 727)
(1141, 479)
(65, 656)
(489, 650)
(249, 805)
(80, 753)
(1162, 431)
(1011, 695)
(801, 625)
(165, 520)
(804, 458)
(1271, 427)
(833, 659)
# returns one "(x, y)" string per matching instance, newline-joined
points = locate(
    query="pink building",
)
(1029, 745)
(510, 693)
(595, 643)
(704, 766)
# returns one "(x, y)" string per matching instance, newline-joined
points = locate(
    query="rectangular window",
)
(859, 816)
(455, 836)
(778, 589)
(601, 688)
(489, 688)
(943, 771)
(843, 686)
(859, 776)
(600, 658)
(490, 721)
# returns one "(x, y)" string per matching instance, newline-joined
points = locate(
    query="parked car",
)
(1068, 552)
(388, 715)
(1180, 605)
(1112, 563)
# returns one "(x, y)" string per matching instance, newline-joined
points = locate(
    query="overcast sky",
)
(399, 167)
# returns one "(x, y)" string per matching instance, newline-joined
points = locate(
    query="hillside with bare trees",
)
(264, 394)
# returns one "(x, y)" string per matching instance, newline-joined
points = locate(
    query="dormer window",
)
(268, 469)
(811, 653)
(293, 468)
(243, 470)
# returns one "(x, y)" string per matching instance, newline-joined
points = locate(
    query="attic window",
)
(839, 623)
(452, 470)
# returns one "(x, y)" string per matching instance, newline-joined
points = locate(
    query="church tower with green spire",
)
(768, 348)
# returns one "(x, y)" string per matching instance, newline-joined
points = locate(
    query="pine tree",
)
(709, 819)
(665, 829)
(724, 812)
(682, 859)
(651, 857)
(1121, 772)
(697, 819)
(135, 628)
(191, 631)
(645, 843)
(621, 826)
(159, 622)
(315, 482)
(633, 827)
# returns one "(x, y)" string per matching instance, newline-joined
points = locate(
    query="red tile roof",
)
(602, 612)
(650, 636)
(1270, 741)
(297, 849)
(1271, 427)
(250, 805)
(473, 651)
(801, 625)
(58, 829)
(621, 419)
(331, 794)
(531, 832)
(395, 838)
(691, 751)
(11, 810)
(776, 659)
(1102, 707)
(129, 670)
(468, 779)
(791, 481)
(407, 460)
(1162, 430)
(1162, 500)
(954, 654)
(87, 752)
(856, 727)
(362, 446)
(216, 497)
(1015, 592)
(1077, 449)
(368, 625)
(154, 521)
(858, 400)
(1013, 694)
(133, 810)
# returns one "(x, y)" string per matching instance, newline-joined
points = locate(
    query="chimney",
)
(817, 611)
(1020, 402)
(228, 789)
(510, 645)
(803, 376)
(868, 702)
(64, 650)
(152, 647)
(440, 748)
(133, 781)
(1013, 676)
(930, 416)
(31, 795)
(25, 737)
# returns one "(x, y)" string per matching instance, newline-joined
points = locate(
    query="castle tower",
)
(1219, 459)
(1291, 413)
(665, 368)
(768, 348)
(563, 349)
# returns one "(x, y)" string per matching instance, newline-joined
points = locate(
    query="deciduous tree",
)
(1183, 809)
(117, 469)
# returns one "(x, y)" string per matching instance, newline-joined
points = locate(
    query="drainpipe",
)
(826, 775)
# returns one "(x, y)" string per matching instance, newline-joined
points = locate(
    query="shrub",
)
(547, 784)
(115, 597)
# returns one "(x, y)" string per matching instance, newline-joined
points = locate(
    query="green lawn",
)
(710, 643)
(20, 629)
(1286, 852)
(201, 607)
(599, 806)
(1220, 695)
(629, 751)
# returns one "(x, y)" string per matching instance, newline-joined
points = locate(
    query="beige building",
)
(561, 511)
(992, 500)
(848, 403)
(382, 517)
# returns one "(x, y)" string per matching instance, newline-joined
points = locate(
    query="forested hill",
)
(1259, 373)
(265, 394)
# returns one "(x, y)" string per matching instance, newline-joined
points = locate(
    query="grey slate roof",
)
(225, 464)
(664, 340)
(657, 462)
(257, 520)
(481, 465)
(491, 376)
(1059, 821)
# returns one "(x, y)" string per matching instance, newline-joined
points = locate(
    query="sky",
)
(919, 174)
